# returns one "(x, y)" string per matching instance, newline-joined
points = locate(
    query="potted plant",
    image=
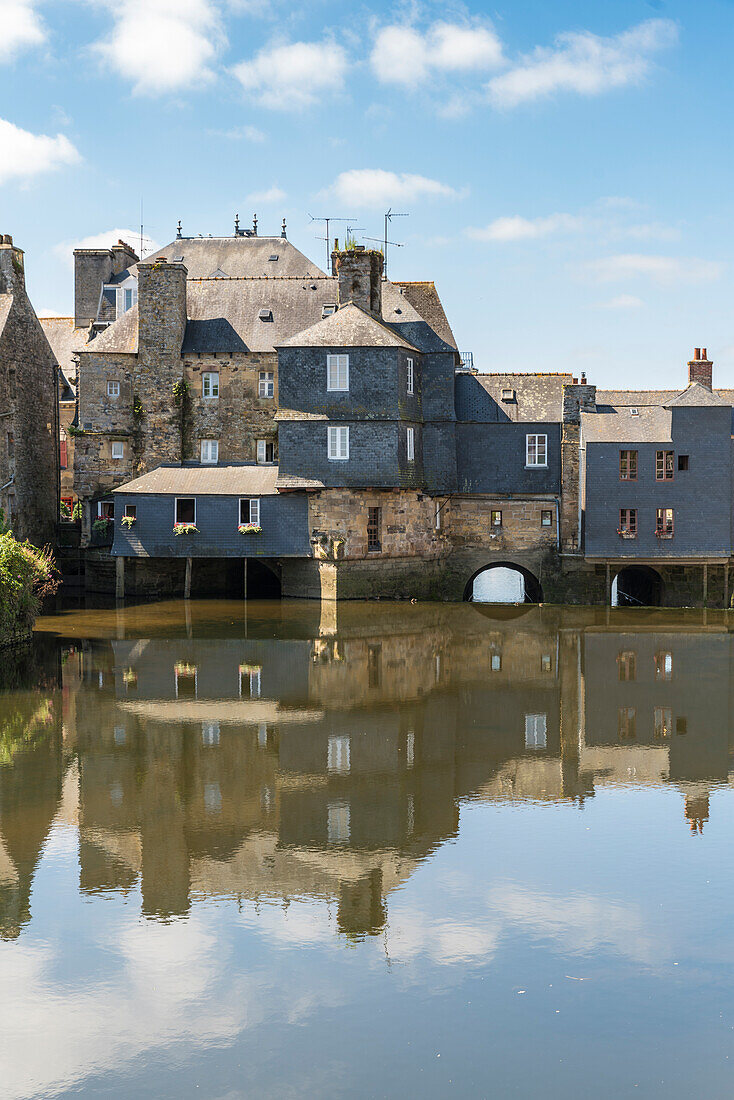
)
(102, 525)
(249, 529)
(185, 529)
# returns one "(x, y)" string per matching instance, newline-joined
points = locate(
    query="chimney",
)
(700, 369)
(359, 274)
(161, 309)
(123, 256)
(92, 268)
(12, 273)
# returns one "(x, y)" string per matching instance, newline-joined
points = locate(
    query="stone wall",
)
(407, 523)
(239, 416)
(468, 521)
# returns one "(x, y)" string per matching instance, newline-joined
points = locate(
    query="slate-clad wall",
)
(377, 383)
(491, 458)
(700, 496)
(439, 457)
(377, 454)
(283, 518)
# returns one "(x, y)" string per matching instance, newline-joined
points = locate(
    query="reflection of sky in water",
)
(499, 586)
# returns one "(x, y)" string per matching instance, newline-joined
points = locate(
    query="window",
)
(338, 443)
(266, 385)
(338, 823)
(627, 723)
(210, 384)
(495, 662)
(628, 465)
(495, 518)
(437, 516)
(265, 450)
(410, 382)
(373, 529)
(664, 523)
(131, 511)
(338, 758)
(683, 462)
(663, 465)
(250, 681)
(410, 443)
(273, 258)
(210, 733)
(105, 509)
(62, 451)
(628, 522)
(210, 450)
(535, 731)
(664, 666)
(374, 665)
(250, 510)
(328, 309)
(109, 293)
(536, 450)
(187, 680)
(337, 372)
(128, 298)
(627, 665)
(546, 518)
(265, 314)
(212, 798)
(185, 510)
(262, 735)
(118, 449)
(634, 411)
(508, 394)
(113, 389)
(681, 726)
(663, 723)
(546, 663)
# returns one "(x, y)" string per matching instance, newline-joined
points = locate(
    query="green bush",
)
(27, 576)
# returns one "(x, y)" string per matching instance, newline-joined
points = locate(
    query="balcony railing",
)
(467, 360)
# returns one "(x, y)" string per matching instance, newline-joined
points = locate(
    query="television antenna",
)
(389, 215)
(351, 230)
(327, 238)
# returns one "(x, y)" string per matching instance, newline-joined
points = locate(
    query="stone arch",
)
(638, 586)
(533, 587)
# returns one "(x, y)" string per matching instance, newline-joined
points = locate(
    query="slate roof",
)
(120, 336)
(349, 327)
(653, 424)
(425, 300)
(649, 397)
(236, 257)
(696, 396)
(66, 341)
(537, 397)
(233, 480)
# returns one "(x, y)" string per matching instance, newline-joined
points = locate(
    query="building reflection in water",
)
(329, 761)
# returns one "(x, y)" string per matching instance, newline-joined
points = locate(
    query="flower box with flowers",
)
(249, 528)
(127, 521)
(626, 533)
(185, 529)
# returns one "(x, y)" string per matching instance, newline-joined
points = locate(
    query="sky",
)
(566, 167)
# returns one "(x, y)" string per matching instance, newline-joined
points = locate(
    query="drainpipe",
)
(558, 525)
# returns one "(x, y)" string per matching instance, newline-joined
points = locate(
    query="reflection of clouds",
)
(445, 941)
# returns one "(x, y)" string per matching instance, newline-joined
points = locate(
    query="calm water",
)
(375, 851)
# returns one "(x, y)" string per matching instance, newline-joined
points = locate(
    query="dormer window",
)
(634, 411)
(328, 310)
(272, 258)
(265, 314)
(508, 394)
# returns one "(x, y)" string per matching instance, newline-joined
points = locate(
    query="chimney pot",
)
(697, 354)
(583, 378)
(704, 356)
(700, 369)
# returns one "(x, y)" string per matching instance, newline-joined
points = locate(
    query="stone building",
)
(29, 409)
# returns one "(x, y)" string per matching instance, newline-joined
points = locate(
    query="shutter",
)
(261, 450)
(255, 510)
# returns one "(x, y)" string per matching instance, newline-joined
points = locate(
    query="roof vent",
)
(634, 411)
(265, 314)
(508, 394)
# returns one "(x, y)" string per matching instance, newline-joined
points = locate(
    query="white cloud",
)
(272, 194)
(661, 269)
(376, 187)
(293, 77)
(404, 55)
(65, 249)
(583, 62)
(622, 301)
(163, 45)
(21, 28)
(25, 154)
(517, 228)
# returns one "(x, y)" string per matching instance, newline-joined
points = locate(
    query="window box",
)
(627, 534)
(185, 529)
(664, 534)
(249, 529)
(128, 521)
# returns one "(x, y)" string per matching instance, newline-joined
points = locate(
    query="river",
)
(367, 850)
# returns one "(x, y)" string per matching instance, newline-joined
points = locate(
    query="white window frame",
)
(338, 826)
(113, 387)
(254, 681)
(100, 513)
(262, 457)
(410, 382)
(118, 444)
(254, 504)
(410, 444)
(339, 755)
(175, 510)
(536, 731)
(211, 445)
(125, 291)
(337, 440)
(532, 440)
(337, 373)
(210, 385)
(266, 384)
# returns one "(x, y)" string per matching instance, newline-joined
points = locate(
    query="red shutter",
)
(62, 453)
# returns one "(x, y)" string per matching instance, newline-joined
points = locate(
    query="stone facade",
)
(29, 410)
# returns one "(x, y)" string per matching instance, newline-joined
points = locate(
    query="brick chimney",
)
(12, 274)
(700, 369)
(359, 274)
(161, 309)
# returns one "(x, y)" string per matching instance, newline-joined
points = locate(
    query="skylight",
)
(265, 314)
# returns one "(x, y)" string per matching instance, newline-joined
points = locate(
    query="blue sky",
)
(567, 167)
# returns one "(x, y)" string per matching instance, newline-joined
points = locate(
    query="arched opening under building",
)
(637, 586)
(504, 582)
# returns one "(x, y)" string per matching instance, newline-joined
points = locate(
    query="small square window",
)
(118, 450)
(683, 462)
(210, 450)
(210, 384)
(546, 518)
(113, 389)
(495, 518)
(131, 511)
(265, 314)
(508, 394)
(634, 411)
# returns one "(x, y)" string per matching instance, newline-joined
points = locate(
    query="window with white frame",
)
(338, 757)
(250, 681)
(129, 297)
(250, 510)
(210, 450)
(535, 731)
(411, 376)
(337, 372)
(337, 827)
(437, 515)
(118, 449)
(113, 389)
(266, 384)
(265, 450)
(338, 443)
(210, 384)
(410, 443)
(536, 450)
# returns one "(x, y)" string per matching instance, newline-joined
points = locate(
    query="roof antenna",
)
(236, 225)
(254, 225)
(327, 238)
(388, 218)
(282, 231)
(141, 227)
(178, 231)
